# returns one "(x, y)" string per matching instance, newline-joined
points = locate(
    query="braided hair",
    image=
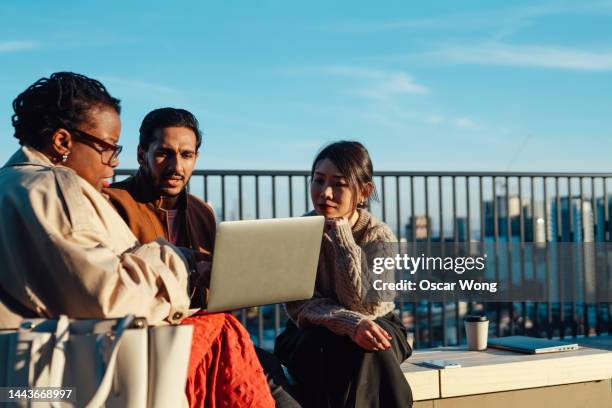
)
(65, 99)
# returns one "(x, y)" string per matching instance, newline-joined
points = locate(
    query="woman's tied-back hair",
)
(64, 100)
(164, 118)
(353, 161)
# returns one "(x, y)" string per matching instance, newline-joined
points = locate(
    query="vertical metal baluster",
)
(260, 316)
(498, 330)
(595, 213)
(549, 328)
(572, 238)
(206, 188)
(596, 228)
(468, 232)
(482, 210)
(398, 221)
(240, 198)
(399, 237)
(558, 252)
(382, 199)
(454, 203)
(415, 305)
(522, 252)
(429, 305)
(559, 238)
(509, 254)
(468, 226)
(290, 196)
(276, 307)
(606, 210)
(257, 197)
(412, 211)
(243, 312)
(223, 213)
(455, 245)
(483, 228)
(607, 239)
(585, 305)
(534, 265)
(306, 194)
(440, 214)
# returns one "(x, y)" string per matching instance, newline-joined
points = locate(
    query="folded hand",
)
(371, 337)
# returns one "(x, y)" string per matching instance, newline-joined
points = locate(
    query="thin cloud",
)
(140, 85)
(466, 122)
(434, 119)
(16, 46)
(533, 56)
(373, 83)
(460, 122)
(508, 20)
(452, 22)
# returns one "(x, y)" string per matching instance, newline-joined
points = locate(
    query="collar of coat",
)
(28, 155)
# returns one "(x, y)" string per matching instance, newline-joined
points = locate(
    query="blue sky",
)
(447, 85)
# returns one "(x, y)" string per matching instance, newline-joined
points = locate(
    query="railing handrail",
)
(387, 173)
(460, 206)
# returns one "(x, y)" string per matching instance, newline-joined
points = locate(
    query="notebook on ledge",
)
(531, 345)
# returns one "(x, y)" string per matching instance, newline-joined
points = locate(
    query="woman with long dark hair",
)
(343, 348)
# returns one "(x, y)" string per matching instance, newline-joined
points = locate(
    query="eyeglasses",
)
(109, 152)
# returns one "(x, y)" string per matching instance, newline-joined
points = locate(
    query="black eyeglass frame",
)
(91, 141)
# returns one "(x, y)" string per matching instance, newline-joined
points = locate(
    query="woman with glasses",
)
(65, 250)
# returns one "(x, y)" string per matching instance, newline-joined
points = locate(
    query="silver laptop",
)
(531, 345)
(262, 262)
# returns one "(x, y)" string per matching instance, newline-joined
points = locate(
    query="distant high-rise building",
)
(571, 221)
(602, 226)
(496, 216)
(461, 229)
(420, 224)
(538, 223)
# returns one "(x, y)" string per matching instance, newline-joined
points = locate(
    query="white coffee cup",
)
(477, 330)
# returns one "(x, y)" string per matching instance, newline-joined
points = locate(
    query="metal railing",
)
(442, 207)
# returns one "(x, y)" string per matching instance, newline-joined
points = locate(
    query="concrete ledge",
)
(496, 370)
(424, 382)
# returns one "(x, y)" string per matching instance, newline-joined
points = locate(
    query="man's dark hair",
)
(64, 100)
(167, 117)
(353, 161)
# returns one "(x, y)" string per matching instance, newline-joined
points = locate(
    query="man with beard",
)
(154, 203)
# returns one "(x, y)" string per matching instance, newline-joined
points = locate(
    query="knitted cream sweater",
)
(338, 302)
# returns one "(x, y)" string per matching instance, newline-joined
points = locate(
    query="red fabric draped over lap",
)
(223, 369)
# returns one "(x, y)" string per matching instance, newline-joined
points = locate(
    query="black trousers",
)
(333, 371)
(279, 386)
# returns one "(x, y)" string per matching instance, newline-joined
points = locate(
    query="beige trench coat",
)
(65, 250)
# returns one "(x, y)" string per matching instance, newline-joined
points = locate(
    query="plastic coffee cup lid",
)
(476, 318)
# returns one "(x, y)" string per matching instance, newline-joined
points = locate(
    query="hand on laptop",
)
(199, 282)
(204, 268)
(371, 337)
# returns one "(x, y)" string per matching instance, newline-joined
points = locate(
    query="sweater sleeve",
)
(352, 274)
(342, 316)
(321, 311)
